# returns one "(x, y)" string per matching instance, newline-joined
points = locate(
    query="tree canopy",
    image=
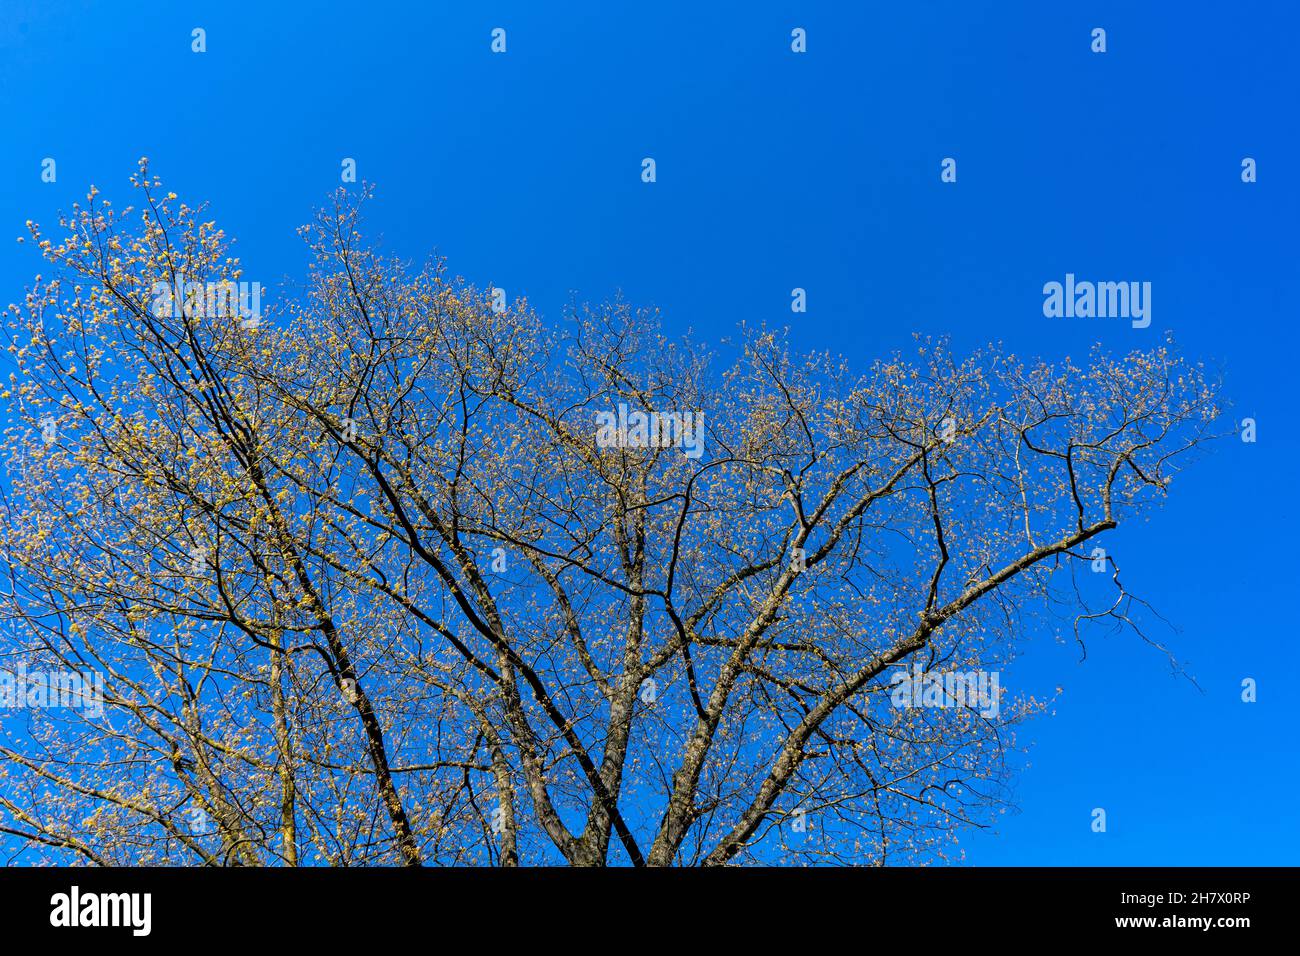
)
(363, 587)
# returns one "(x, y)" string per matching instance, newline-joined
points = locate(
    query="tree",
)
(404, 574)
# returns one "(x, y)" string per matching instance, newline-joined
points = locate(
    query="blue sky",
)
(821, 171)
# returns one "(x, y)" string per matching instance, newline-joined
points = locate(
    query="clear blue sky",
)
(820, 170)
